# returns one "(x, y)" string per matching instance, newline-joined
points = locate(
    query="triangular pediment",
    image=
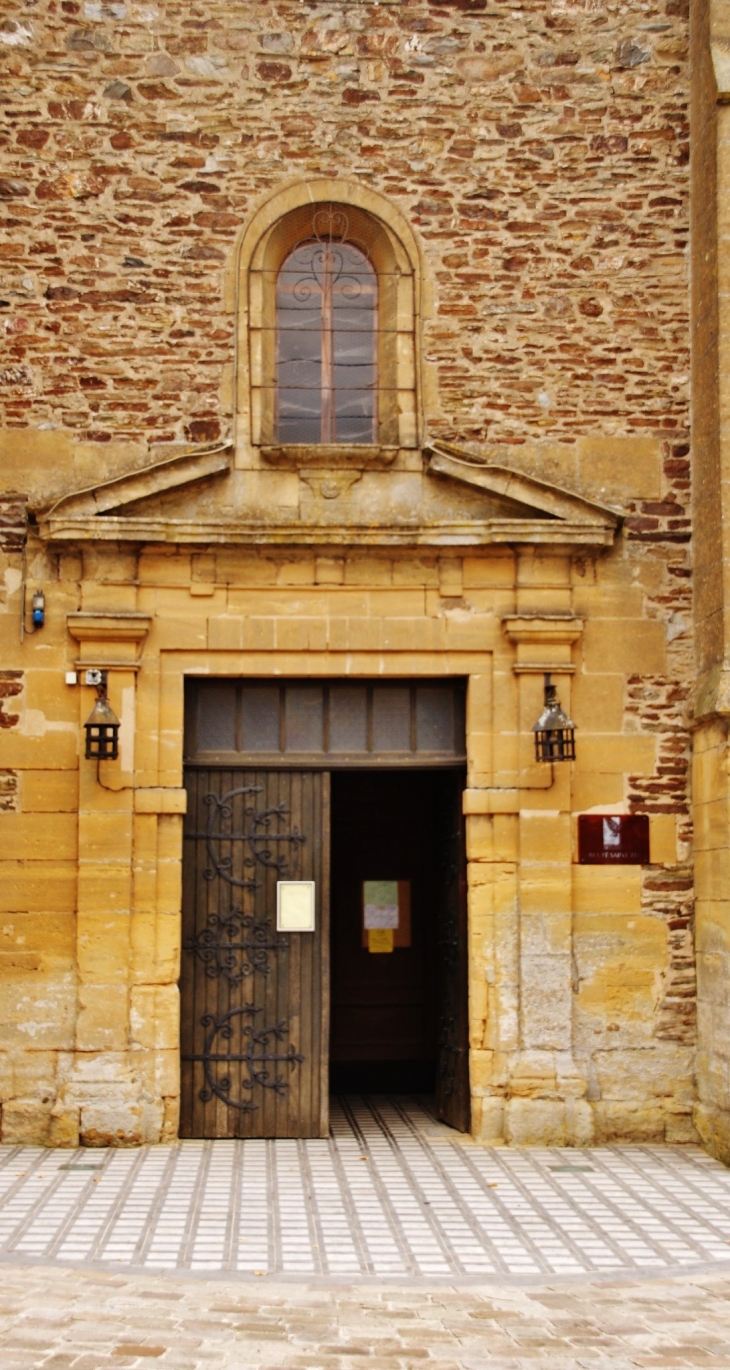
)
(174, 473)
(449, 497)
(535, 498)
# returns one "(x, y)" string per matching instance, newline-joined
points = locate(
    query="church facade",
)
(345, 426)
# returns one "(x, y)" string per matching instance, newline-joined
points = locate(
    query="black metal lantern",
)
(102, 727)
(554, 731)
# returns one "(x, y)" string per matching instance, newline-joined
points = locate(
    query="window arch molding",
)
(286, 219)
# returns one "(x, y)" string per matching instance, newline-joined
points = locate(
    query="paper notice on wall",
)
(380, 939)
(380, 900)
(295, 906)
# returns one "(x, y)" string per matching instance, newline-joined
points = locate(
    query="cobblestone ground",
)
(53, 1319)
(395, 1243)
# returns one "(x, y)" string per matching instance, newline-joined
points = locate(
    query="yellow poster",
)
(380, 939)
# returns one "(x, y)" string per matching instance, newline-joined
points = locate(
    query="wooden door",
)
(453, 1103)
(254, 1001)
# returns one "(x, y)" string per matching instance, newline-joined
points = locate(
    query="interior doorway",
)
(395, 866)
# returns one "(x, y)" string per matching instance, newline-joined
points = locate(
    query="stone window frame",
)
(285, 219)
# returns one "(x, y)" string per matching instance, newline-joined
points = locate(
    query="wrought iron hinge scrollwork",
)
(235, 945)
(262, 835)
(254, 1060)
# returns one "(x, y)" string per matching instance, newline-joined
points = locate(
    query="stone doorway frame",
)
(523, 1079)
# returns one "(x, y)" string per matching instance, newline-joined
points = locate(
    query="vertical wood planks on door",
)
(254, 1002)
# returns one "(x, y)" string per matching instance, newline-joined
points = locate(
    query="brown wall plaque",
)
(615, 839)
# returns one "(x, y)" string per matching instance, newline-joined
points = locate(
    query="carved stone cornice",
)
(514, 509)
(446, 533)
(543, 641)
(113, 640)
(543, 629)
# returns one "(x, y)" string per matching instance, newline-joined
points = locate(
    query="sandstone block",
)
(661, 1071)
(489, 571)
(535, 1122)
(25, 1122)
(103, 1018)
(155, 947)
(579, 1123)
(680, 1129)
(33, 837)
(545, 889)
(711, 824)
(226, 634)
(64, 1127)
(105, 836)
(605, 889)
(713, 1126)
(103, 946)
(628, 1121)
(620, 468)
(604, 752)
(112, 1124)
(626, 645)
(154, 1016)
(545, 838)
(170, 1118)
(50, 791)
(597, 791)
(158, 1071)
(488, 1119)
(104, 886)
(546, 1001)
(479, 838)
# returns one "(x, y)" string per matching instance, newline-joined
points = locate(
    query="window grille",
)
(326, 339)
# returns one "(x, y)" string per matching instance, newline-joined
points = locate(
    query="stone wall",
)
(710, 382)
(580, 977)
(539, 157)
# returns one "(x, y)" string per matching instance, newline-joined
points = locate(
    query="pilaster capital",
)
(110, 640)
(543, 629)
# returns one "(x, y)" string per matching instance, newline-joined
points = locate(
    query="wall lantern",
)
(554, 731)
(102, 727)
(39, 609)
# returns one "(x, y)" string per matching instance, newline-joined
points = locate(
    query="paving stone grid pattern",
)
(392, 1195)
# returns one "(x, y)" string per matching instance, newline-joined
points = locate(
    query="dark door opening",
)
(398, 996)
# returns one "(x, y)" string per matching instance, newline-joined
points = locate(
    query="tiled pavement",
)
(392, 1196)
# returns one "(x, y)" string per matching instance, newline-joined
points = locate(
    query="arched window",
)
(328, 326)
(326, 339)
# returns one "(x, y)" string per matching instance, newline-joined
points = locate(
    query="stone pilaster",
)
(546, 1091)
